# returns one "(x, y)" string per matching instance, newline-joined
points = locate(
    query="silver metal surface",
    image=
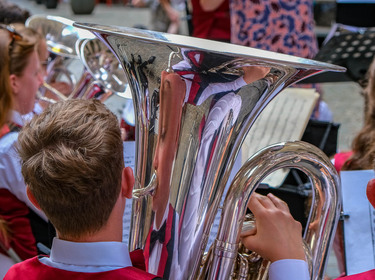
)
(194, 101)
(62, 39)
(324, 212)
(103, 66)
(60, 34)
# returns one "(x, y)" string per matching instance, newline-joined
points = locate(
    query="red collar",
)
(9, 127)
(4, 130)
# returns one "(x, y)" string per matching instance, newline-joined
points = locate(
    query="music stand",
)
(348, 46)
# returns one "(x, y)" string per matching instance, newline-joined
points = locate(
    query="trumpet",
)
(62, 40)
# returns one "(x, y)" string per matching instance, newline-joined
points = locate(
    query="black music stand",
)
(356, 13)
(347, 46)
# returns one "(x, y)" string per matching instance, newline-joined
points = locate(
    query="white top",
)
(289, 270)
(88, 257)
(10, 167)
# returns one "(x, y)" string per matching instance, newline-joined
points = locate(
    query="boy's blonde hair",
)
(72, 161)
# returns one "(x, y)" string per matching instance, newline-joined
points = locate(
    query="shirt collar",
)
(90, 253)
(17, 118)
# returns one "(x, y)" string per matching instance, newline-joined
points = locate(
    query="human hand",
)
(173, 15)
(277, 235)
(254, 73)
(138, 3)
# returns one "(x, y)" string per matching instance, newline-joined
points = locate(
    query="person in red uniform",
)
(211, 21)
(72, 162)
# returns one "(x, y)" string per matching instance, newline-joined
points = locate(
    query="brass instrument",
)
(324, 213)
(61, 38)
(103, 66)
(195, 100)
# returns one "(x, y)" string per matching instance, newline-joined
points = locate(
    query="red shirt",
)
(33, 269)
(213, 25)
(368, 275)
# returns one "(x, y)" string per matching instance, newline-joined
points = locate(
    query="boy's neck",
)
(106, 234)
(111, 231)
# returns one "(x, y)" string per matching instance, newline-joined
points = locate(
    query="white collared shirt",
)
(88, 256)
(10, 167)
(289, 270)
(106, 256)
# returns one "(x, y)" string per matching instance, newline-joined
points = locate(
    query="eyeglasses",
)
(46, 62)
(14, 35)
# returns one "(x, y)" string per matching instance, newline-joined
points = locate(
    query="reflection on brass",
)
(64, 42)
(195, 100)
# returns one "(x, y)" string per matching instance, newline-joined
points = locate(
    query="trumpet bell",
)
(195, 101)
(103, 66)
(61, 36)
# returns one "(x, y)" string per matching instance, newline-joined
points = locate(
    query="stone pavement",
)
(344, 99)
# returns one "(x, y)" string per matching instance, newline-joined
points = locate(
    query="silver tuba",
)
(195, 100)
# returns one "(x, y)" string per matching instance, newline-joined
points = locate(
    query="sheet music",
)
(129, 159)
(359, 227)
(284, 119)
(372, 219)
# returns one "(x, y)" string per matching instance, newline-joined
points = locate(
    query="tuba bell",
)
(194, 101)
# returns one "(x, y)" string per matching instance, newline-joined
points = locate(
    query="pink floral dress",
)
(285, 26)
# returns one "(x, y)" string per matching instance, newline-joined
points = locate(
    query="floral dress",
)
(285, 26)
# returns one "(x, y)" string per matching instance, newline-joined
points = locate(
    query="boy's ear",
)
(127, 182)
(32, 197)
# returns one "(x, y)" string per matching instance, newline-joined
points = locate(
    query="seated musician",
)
(283, 245)
(72, 162)
(277, 238)
(73, 165)
(22, 224)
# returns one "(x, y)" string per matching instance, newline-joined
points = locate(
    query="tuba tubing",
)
(325, 209)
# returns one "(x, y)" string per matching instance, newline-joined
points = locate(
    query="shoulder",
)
(133, 273)
(340, 159)
(7, 142)
(32, 269)
(10, 168)
(23, 269)
(368, 275)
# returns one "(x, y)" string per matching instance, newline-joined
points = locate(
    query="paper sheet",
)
(284, 119)
(129, 159)
(359, 226)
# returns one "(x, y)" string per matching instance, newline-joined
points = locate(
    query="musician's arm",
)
(210, 5)
(277, 237)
